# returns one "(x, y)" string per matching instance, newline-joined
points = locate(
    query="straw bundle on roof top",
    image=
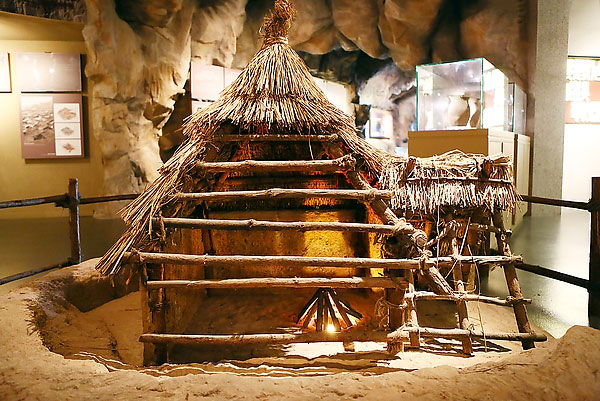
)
(275, 93)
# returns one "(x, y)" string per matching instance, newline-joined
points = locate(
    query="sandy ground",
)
(50, 349)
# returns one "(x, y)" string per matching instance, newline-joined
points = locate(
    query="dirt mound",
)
(53, 345)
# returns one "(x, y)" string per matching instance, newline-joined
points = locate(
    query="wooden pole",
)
(387, 215)
(274, 166)
(276, 282)
(413, 319)
(461, 304)
(59, 200)
(265, 225)
(280, 193)
(514, 288)
(74, 233)
(467, 297)
(324, 336)
(594, 281)
(153, 317)
(315, 261)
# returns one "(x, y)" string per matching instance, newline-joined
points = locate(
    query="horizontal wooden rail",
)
(457, 333)
(308, 261)
(276, 282)
(275, 138)
(58, 200)
(557, 202)
(556, 275)
(108, 198)
(279, 193)
(426, 295)
(267, 166)
(347, 336)
(264, 225)
(29, 273)
(280, 338)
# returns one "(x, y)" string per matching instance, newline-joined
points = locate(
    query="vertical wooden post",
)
(514, 288)
(74, 231)
(413, 319)
(153, 316)
(594, 297)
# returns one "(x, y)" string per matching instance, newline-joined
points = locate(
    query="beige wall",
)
(33, 178)
(546, 102)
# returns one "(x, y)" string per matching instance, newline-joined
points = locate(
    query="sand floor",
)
(51, 350)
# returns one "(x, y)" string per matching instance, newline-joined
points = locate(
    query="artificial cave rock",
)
(139, 54)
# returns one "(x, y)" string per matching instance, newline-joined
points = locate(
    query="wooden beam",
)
(274, 138)
(276, 282)
(304, 261)
(426, 295)
(514, 288)
(74, 226)
(267, 166)
(324, 336)
(279, 193)
(264, 225)
(594, 269)
(489, 335)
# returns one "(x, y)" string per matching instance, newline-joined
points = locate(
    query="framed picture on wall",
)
(381, 124)
(207, 81)
(5, 83)
(49, 72)
(51, 126)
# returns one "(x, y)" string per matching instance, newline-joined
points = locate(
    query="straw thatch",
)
(275, 93)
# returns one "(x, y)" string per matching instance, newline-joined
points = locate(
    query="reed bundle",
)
(275, 93)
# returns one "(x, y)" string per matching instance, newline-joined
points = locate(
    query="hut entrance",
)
(273, 189)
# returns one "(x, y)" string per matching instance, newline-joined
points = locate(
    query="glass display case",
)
(517, 108)
(461, 95)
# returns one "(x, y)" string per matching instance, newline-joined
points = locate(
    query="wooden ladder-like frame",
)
(403, 320)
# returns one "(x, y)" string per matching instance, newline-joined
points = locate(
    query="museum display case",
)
(461, 95)
(517, 109)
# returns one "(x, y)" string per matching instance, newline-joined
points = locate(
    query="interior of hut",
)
(286, 199)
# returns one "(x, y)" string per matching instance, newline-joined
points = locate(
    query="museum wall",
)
(584, 29)
(21, 178)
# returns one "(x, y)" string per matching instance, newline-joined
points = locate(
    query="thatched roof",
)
(275, 93)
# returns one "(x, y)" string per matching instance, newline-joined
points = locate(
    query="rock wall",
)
(66, 10)
(139, 53)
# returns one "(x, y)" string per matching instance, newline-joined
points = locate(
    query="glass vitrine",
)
(461, 95)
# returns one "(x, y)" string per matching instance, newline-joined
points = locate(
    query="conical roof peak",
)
(277, 23)
(275, 91)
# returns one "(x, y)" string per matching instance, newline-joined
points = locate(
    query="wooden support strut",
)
(594, 269)
(275, 282)
(264, 225)
(280, 193)
(267, 166)
(324, 336)
(315, 261)
(380, 207)
(514, 288)
(461, 304)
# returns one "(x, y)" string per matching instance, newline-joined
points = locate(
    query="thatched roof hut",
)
(275, 93)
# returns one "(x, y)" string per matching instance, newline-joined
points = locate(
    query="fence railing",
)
(72, 200)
